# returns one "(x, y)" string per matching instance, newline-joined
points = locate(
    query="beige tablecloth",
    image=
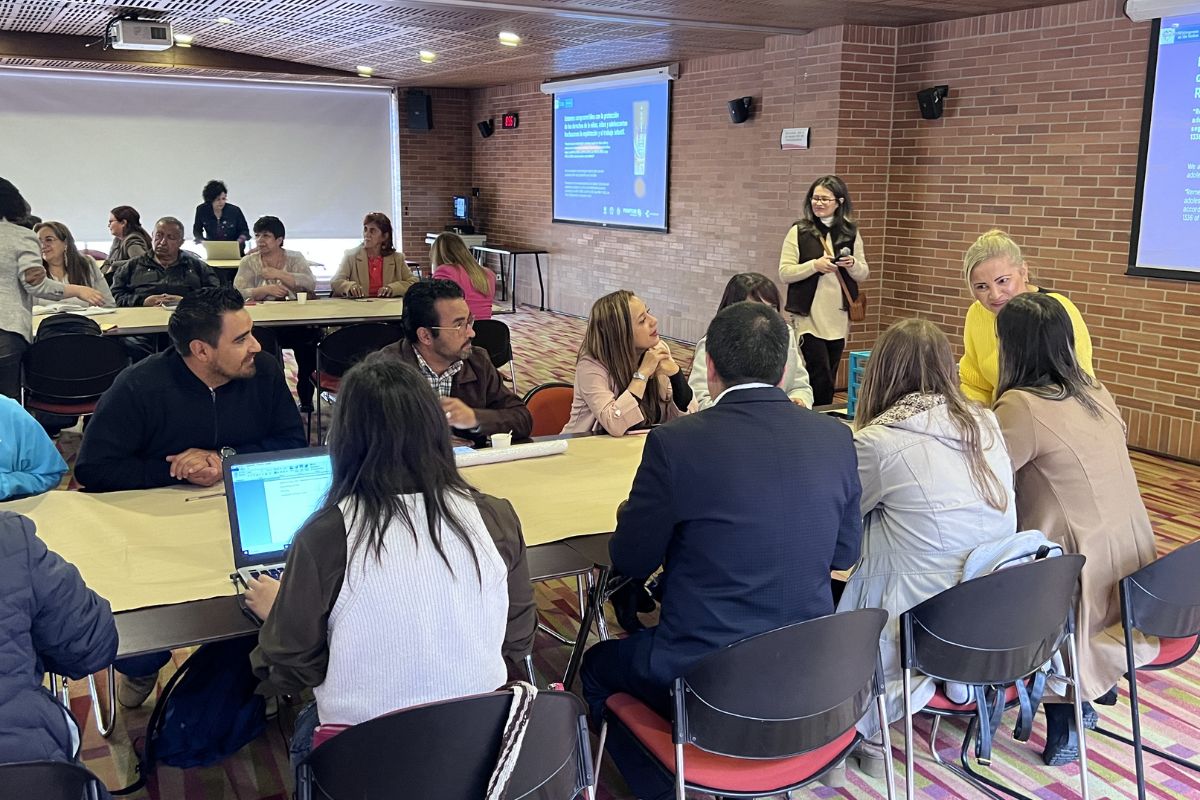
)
(155, 547)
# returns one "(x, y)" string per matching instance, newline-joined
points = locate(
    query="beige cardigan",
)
(353, 271)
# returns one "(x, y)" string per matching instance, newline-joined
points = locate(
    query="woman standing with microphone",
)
(822, 262)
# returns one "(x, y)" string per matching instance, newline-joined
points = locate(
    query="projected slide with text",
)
(610, 156)
(1170, 218)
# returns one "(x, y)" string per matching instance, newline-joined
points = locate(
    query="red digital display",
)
(509, 121)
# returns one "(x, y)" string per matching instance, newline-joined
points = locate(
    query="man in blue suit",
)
(747, 505)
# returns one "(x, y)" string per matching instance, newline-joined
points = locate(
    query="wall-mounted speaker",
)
(420, 110)
(486, 128)
(930, 101)
(739, 109)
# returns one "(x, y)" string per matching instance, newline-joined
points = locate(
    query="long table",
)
(162, 557)
(133, 321)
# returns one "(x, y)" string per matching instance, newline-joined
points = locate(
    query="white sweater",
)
(405, 629)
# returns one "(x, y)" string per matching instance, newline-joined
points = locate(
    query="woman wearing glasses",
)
(822, 261)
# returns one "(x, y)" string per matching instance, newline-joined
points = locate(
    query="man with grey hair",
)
(164, 276)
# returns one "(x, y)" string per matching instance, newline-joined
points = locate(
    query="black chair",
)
(48, 780)
(555, 560)
(447, 751)
(768, 714)
(67, 374)
(593, 547)
(268, 341)
(342, 349)
(991, 633)
(493, 335)
(1161, 599)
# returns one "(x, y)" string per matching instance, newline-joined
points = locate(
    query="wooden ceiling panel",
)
(559, 37)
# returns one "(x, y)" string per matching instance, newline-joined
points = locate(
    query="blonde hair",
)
(993, 244)
(609, 340)
(913, 355)
(449, 248)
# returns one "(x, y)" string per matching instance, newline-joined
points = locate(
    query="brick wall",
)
(435, 165)
(1040, 137)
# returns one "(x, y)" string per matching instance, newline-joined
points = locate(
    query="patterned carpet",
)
(545, 345)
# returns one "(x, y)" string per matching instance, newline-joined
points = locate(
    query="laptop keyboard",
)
(276, 573)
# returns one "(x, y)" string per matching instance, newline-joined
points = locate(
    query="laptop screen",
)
(270, 495)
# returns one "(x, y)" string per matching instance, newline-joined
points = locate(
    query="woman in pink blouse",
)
(625, 376)
(453, 261)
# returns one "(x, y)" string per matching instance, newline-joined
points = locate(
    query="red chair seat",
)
(324, 733)
(723, 773)
(940, 702)
(1171, 650)
(66, 409)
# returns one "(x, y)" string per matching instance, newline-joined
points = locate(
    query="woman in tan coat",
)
(1075, 483)
(375, 268)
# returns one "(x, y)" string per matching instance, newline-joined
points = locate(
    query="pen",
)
(203, 496)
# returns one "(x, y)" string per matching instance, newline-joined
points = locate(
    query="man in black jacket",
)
(175, 415)
(747, 505)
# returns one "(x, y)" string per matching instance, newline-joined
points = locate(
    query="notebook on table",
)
(222, 251)
(269, 497)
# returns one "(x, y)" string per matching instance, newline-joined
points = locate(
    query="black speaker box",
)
(420, 110)
(930, 101)
(739, 109)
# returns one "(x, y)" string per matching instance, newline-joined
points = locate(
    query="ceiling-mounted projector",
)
(138, 34)
(1142, 10)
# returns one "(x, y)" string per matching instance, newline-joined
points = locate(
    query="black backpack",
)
(207, 711)
(64, 323)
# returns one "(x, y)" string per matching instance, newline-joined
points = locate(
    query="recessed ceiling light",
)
(509, 39)
(366, 72)
(183, 39)
(427, 56)
(224, 21)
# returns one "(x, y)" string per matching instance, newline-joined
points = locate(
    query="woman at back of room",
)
(822, 261)
(408, 586)
(452, 261)
(130, 239)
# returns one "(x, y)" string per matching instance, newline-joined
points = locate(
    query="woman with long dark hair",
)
(1074, 483)
(130, 239)
(936, 484)
(67, 265)
(625, 375)
(821, 261)
(375, 268)
(22, 277)
(407, 586)
(759, 289)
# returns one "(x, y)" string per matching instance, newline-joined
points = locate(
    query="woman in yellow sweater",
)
(996, 272)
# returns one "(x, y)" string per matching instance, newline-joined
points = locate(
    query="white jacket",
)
(922, 518)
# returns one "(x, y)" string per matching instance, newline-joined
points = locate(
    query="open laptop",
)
(269, 496)
(221, 251)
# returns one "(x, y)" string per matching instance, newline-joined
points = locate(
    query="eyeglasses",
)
(824, 200)
(469, 322)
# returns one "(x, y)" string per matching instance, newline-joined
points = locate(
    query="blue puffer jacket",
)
(49, 621)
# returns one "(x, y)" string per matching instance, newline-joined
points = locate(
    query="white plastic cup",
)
(501, 439)
(301, 297)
